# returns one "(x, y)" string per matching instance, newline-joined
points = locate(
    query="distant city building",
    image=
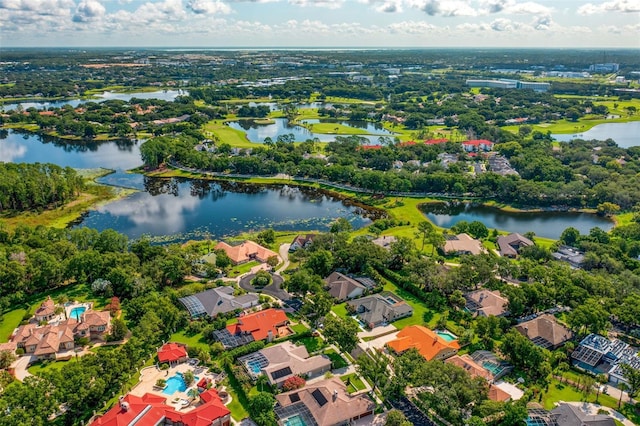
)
(608, 67)
(504, 83)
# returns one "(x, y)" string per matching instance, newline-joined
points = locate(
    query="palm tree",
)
(623, 388)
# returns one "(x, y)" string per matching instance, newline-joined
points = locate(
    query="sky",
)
(320, 23)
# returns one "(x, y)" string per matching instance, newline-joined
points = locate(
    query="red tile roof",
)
(477, 142)
(150, 410)
(259, 324)
(426, 341)
(171, 352)
(246, 251)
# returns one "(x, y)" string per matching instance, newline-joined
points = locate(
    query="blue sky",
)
(321, 23)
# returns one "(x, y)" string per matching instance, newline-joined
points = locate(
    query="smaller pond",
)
(368, 126)
(258, 132)
(543, 224)
(31, 148)
(625, 135)
(275, 106)
(166, 95)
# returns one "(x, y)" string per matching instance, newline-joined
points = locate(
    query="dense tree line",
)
(37, 186)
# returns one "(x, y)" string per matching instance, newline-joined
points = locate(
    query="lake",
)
(258, 132)
(543, 224)
(31, 148)
(168, 95)
(177, 210)
(368, 126)
(626, 135)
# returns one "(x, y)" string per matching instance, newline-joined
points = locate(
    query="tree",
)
(374, 365)
(570, 236)
(320, 262)
(342, 332)
(478, 229)
(623, 387)
(261, 409)
(118, 329)
(222, 259)
(6, 358)
(633, 378)
(607, 209)
(188, 377)
(272, 261)
(590, 316)
(266, 237)
(425, 229)
(340, 225)
(396, 418)
(399, 251)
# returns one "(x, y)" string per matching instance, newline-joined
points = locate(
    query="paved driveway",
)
(20, 366)
(274, 289)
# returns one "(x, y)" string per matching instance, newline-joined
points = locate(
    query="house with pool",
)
(268, 324)
(56, 338)
(285, 360)
(431, 344)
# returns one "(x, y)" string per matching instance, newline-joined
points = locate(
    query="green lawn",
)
(419, 308)
(226, 134)
(313, 344)
(195, 341)
(353, 382)
(336, 360)
(299, 328)
(340, 310)
(242, 269)
(9, 322)
(41, 367)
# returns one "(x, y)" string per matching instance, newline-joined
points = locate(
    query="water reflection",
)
(175, 210)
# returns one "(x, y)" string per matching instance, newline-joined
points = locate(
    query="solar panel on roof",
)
(319, 397)
(281, 373)
(542, 342)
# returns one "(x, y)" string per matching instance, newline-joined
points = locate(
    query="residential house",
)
(342, 287)
(600, 355)
(324, 403)
(479, 145)
(486, 365)
(510, 245)
(45, 342)
(245, 252)
(46, 311)
(500, 165)
(571, 255)
(567, 415)
(151, 409)
(219, 300)
(545, 331)
(470, 366)
(302, 241)
(173, 353)
(462, 244)
(385, 241)
(381, 308)
(268, 324)
(280, 362)
(486, 302)
(430, 345)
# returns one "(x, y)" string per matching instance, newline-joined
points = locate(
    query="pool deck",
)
(150, 375)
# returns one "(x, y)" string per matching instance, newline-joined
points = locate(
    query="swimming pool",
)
(254, 367)
(176, 384)
(446, 336)
(294, 421)
(77, 312)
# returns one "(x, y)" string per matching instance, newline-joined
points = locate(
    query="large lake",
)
(177, 210)
(543, 224)
(259, 132)
(167, 95)
(625, 135)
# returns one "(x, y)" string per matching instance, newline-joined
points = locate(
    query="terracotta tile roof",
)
(171, 352)
(245, 251)
(426, 341)
(497, 394)
(47, 308)
(151, 410)
(259, 324)
(471, 367)
(478, 142)
(96, 318)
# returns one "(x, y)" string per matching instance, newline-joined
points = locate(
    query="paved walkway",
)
(20, 366)
(377, 331)
(593, 409)
(284, 255)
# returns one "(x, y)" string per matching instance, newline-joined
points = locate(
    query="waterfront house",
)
(245, 252)
(302, 241)
(510, 245)
(462, 244)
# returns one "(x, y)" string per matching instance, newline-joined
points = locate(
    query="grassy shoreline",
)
(95, 195)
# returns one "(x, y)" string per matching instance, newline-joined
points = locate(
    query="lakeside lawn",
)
(227, 135)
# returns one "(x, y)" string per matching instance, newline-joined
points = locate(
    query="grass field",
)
(353, 382)
(242, 269)
(226, 134)
(9, 322)
(419, 308)
(42, 367)
(195, 341)
(337, 361)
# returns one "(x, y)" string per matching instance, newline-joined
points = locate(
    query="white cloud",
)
(329, 4)
(386, 6)
(209, 7)
(445, 8)
(502, 24)
(412, 27)
(89, 10)
(542, 23)
(39, 7)
(626, 6)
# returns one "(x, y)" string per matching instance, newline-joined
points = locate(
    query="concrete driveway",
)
(20, 366)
